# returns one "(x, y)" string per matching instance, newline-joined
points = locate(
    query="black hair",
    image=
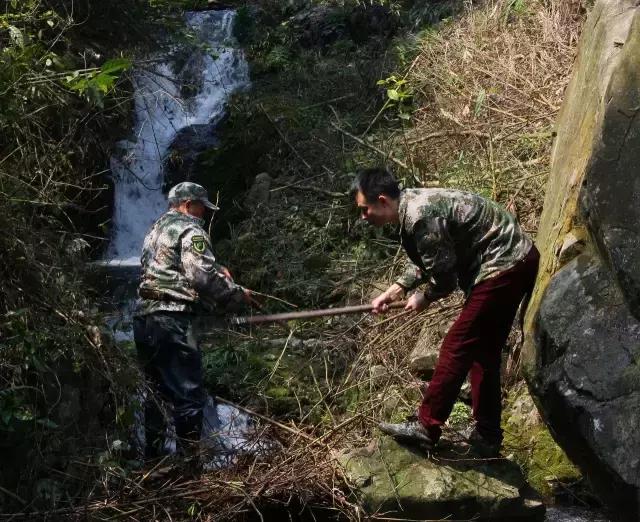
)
(375, 181)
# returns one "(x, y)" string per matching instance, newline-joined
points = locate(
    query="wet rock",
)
(581, 349)
(366, 21)
(588, 379)
(403, 483)
(182, 157)
(258, 195)
(319, 26)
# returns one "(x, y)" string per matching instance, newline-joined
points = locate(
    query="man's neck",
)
(186, 214)
(395, 211)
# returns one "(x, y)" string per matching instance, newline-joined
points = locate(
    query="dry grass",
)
(488, 88)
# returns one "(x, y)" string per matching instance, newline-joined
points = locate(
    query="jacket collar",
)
(197, 221)
(402, 208)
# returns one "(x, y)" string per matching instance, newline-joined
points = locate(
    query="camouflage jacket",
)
(454, 238)
(179, 271)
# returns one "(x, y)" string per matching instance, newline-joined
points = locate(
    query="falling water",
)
(213, 70)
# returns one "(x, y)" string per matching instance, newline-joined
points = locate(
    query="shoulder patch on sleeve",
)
(199, 244)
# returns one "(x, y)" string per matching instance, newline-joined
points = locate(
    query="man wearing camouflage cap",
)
(180, 279)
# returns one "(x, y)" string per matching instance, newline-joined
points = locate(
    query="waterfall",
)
(213, 70)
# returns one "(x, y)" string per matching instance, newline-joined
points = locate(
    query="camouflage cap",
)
(191, 191)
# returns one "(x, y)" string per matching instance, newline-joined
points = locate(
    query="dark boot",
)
(410, 432)
(484, 446)
(188, 430)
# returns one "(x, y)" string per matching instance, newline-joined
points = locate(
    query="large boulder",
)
(589, 381)
(319, 25)
(402, 483)
(581, 352)
(181, 162)
(372, 21)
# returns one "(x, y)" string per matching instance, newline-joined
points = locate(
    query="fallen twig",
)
(284, 138)
(372, 147)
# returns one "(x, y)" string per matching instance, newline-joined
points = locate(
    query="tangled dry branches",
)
(488, 88)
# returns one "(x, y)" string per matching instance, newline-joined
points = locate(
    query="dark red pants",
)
(474, 346)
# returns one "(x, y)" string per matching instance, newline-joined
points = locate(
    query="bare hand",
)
(381, 303)
(417, 302)
(226, 273)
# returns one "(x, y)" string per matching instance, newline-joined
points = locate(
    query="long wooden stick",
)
(309, 314)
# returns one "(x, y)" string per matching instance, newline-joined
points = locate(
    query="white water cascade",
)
(214, 70)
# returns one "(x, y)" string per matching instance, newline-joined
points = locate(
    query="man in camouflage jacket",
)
(180, 280)
(455, 239)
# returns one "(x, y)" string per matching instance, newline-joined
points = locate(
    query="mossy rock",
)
(402, 482)
(528, 439)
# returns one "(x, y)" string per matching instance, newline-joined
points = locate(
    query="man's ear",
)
(383, 199)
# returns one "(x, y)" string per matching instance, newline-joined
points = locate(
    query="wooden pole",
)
(309, 314)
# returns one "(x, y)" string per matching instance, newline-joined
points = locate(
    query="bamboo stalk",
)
(309, 314)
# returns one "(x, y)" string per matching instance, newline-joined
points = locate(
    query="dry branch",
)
(372, 147)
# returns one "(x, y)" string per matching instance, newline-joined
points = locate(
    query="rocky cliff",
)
(582, 351)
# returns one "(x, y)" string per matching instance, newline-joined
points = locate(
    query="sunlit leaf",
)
(16, 36)
(115, 65)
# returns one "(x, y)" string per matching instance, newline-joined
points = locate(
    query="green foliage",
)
(63, 103)
(186, 5)
(245, 25)
(466, 173)
(96, 84)
(479, 105)
(427, 12)
(515, 8)
(289, 380)
(277, 58)
(399, 95)
(460, 416)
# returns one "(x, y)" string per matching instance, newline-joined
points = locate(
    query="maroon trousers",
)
(474, 346)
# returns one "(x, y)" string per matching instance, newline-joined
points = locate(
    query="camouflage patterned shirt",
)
(454, 238)
(179, 270)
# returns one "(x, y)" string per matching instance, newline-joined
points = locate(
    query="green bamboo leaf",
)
(116, 65)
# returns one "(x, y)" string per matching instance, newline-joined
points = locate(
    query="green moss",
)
(278, 382)
(460, 415)
(533, 447)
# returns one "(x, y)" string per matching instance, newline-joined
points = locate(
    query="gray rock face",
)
(610, 197)
(582, 341)
(258, 194)
(182, 159)
(319, 25)
(402, 483)
(424, 356)
(589, 379)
